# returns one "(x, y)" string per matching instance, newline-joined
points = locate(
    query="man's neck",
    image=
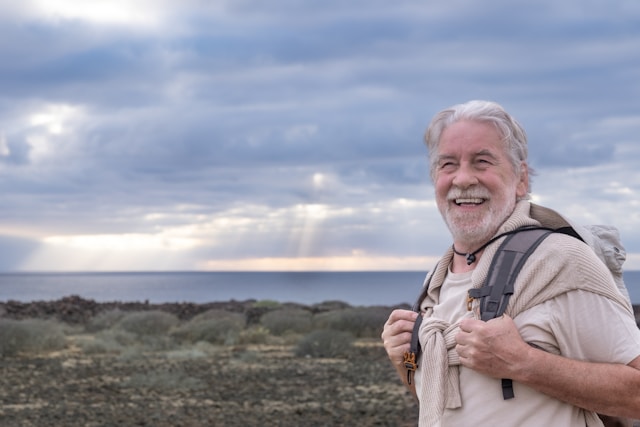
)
(459, 263)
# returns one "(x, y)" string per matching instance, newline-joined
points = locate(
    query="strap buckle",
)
(470, 301)
(410, 364)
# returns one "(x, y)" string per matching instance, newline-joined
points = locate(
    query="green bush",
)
(213, 326)
(330, 305)
(254, 335)
(325, 343)
(219, 314)
(118, 341)
(145, 323)
(287, 320)
(266, 303)
(30, 336)
(362, 322)
(107, 341)
(104, 320)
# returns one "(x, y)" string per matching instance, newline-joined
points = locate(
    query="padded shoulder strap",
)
(506, 264)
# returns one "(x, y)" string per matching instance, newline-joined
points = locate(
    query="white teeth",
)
(468, 201)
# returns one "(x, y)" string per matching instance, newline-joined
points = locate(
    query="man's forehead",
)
(491, 152)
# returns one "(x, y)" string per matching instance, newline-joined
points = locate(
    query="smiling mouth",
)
(468, 202)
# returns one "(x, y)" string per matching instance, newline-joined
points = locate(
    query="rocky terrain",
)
(236, 385)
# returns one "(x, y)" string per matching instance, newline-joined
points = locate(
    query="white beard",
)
(476, 229)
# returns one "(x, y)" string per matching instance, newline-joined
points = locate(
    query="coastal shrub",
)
(104, 320)
(118, 341)
(266, 303)
(287, 320)
(107, 341)
(254, 335)
(325, 343)
(219, 314)
(93, 346)
(145, 323)
(330, 305)
(30, 336)
(213, 326)
(362, 322)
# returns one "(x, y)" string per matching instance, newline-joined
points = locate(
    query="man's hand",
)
(396, 337)
(396, 334)
(493, 348)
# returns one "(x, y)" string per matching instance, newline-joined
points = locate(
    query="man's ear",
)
(523, 183)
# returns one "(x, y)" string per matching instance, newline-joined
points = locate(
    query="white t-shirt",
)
(578, 325)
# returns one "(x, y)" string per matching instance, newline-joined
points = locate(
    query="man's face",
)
(476, 185)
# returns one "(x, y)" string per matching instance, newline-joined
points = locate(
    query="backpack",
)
(509, 259)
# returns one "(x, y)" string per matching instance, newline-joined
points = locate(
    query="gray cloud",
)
(214, 109)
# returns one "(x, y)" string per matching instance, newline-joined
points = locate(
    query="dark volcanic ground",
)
(250, 385)
(239, 386)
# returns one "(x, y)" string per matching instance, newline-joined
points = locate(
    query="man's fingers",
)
(469, 325)
(398, 315)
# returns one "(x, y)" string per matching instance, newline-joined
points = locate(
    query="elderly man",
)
(568, 339)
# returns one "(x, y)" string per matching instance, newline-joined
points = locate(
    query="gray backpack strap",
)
(497, 289)
(506, 264)
(412, 356)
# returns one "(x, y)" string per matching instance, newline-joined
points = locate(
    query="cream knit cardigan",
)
(550, 271)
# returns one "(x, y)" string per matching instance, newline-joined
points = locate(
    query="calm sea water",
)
(355, 288)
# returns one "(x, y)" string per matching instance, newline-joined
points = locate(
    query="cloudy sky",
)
(287, 135)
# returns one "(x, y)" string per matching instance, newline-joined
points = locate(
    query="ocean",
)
(355, 288)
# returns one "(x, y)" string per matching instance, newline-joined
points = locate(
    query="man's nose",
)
(465, 177)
